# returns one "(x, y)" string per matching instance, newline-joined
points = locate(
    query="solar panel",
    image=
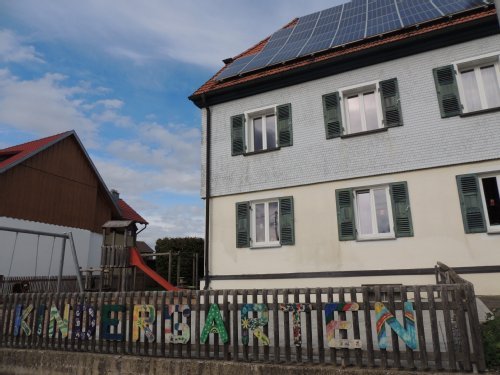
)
(277, 40)
(352, 24)
(343, 24)
(298, 38)
(382, 17)
(324, 32)
(235, 67)
(453, 6)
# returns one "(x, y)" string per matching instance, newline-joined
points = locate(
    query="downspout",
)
(207, 194)
(497, 6)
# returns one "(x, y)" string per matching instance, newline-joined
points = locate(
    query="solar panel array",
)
(343, 24)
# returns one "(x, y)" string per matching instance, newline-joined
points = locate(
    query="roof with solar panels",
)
(340, 32)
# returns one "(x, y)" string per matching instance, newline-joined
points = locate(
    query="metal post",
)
(61, 265)
(178, 268)
(197, 282)
(170, 266)
(75, 261)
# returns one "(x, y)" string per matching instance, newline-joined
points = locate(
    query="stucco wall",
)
(87, 244)
(437, 223)
(424, 141)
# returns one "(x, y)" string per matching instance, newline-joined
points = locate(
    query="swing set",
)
(64, 237)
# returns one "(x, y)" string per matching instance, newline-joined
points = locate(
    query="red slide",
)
(137, 261)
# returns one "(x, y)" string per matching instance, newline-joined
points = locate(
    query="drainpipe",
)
(207, 194)
(497, 6)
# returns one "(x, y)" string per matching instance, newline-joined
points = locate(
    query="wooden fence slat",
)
(180, 297)
(171, 301)
(309, 340)
(356, 331)
(286, 325)
(298, 348)
(477, 342)
(163, 307)
(345, 359)
(216, 336)
(368, 327)
(197, 324)
(206, 297)
(462, 328)
(383, 352)
(189, 303)
(266, 327)
(394, 337)
(245, 347)
(276, 327)
(234, 293)
(227, 323)
(333, 351)
(409, 352)
(420, 329)
(255, 354)
(319, 326)
(434, 328)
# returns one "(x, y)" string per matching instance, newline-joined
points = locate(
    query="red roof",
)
(212, 85)
(128, 213)
(24, 151)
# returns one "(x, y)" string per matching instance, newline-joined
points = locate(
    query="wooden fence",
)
(336, 326)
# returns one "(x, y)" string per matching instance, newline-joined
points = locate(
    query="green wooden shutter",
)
(238, 135)
(345, 215)
(285, 135)
(391, 105)
(332, 115)
(471, 204)
(447, 91)
(401, 210)
(287, 227)
(243, 224)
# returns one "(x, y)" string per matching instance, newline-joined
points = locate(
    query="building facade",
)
(359, 169)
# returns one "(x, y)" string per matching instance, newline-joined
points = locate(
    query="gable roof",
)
(216, 91)
(15, 155)
(128, 213)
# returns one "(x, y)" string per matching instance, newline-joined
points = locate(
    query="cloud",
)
(193, 31)
(43, 106)
(12, 50)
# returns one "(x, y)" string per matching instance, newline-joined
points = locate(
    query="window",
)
(263, 129)
(362, 108)
(480, 202)
(374, 212)
(265, 223)
(263, 132)
(475, 88)
(491, 201)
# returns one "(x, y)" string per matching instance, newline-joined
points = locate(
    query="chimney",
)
(115, 194)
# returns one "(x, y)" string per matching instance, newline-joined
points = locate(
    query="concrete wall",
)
(424, 141)
(87, 243)
(437, 223)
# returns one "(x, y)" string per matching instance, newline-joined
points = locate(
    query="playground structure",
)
(120, 265)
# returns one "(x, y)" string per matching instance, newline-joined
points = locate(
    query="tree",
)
(183, 249)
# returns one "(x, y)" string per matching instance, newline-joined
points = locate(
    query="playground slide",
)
(137, 261)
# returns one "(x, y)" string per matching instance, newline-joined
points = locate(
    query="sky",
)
(119, 73)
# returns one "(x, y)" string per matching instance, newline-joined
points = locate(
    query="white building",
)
(363, 163)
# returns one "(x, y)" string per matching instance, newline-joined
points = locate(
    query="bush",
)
(491, 341)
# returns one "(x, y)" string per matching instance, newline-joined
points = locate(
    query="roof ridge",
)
(47, 139)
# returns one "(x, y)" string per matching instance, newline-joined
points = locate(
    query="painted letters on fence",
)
(255, 324)
(107, 322)
(144, 317)
(296, 309)
(176, 333)
(332, 325)
(214, 324)
(406, 334)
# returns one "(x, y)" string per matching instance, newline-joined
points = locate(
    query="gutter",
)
(207, 194)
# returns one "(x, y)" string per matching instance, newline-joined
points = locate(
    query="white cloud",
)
(198, 32)
(43, 106)
(13, 50)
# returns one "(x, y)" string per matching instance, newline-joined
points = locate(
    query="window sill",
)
(265, 247)
(261, 151)
(369, 239)
(380, 130)
(493, 231)
(480, 112)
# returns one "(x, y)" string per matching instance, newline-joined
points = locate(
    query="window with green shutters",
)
(468, 86)
(480, 202)
(363, 108)
(263, 129)
(376, 212)
(265, 223)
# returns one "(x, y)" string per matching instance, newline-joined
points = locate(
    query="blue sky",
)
(119, 73)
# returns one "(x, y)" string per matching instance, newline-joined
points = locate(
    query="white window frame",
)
(360, 90)
(253, 224)
(249, 118)
(475, 64)
(374, 236)
(489, 228)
